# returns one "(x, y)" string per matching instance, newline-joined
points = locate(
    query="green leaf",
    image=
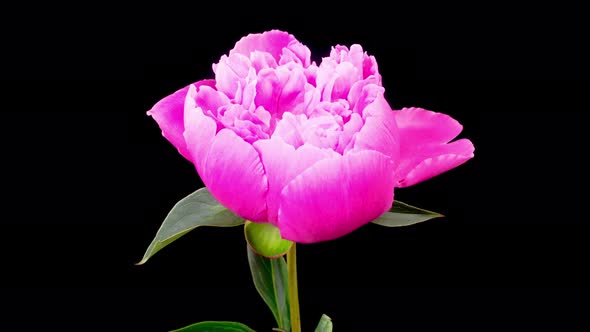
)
(216, 327)
(265, 239)
(325, 324)
(271, 282)
(402, 214)
(197, 209)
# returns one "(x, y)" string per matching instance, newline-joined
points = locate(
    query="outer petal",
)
(424, 150)
(228, 166)
(200, 130)
(432, 161)
(282, 163)
(169, 114)
(422, 127)
(272, 42)
(336, 196)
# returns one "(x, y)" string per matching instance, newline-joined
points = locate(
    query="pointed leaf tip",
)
(197, 209)
(402, 214)
(215, 326)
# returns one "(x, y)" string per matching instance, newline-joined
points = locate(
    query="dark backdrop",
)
(88, 177)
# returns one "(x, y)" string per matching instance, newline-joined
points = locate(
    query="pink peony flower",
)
(314, 150)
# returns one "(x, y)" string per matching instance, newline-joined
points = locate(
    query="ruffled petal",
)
(230, 73)
(210, 100)
(282, 163)
(268, 88)
(348, 132)
(289, 129)
(262, 60)
(379, 132)
(297, 49)
(281, 90)
(169, 114)
(272, 42)
(346, 76)
(292, 95)
(424, 151)
(366, 65)
(335, 80)
(358, 93)
(336, 196)
(370, 68)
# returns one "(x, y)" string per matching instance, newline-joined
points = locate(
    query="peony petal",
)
(311, 74)
(230, 72)
(210, 100)
(321, 131)
(229, 167)
(272, 42)
(422, 127)
(267, 89)
(357, 92)
(289, 56)
(345, 78)
(336, 196)
(335, 80)
(169, 114)
(288, 128)
(282, 163)
(424, 152)
(292, 95)
(370, 68)
(422, 164)
(356, 57)
(367, 95)
(301, 51)
(379, 133)
(324, 79)
(339, 53)
(365, 64)
(262, 60)
(350, 129)
(281, 90)
(200, 130)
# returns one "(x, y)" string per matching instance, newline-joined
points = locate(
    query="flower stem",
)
(293, 293)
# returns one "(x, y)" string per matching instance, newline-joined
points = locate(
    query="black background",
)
(88, 177)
